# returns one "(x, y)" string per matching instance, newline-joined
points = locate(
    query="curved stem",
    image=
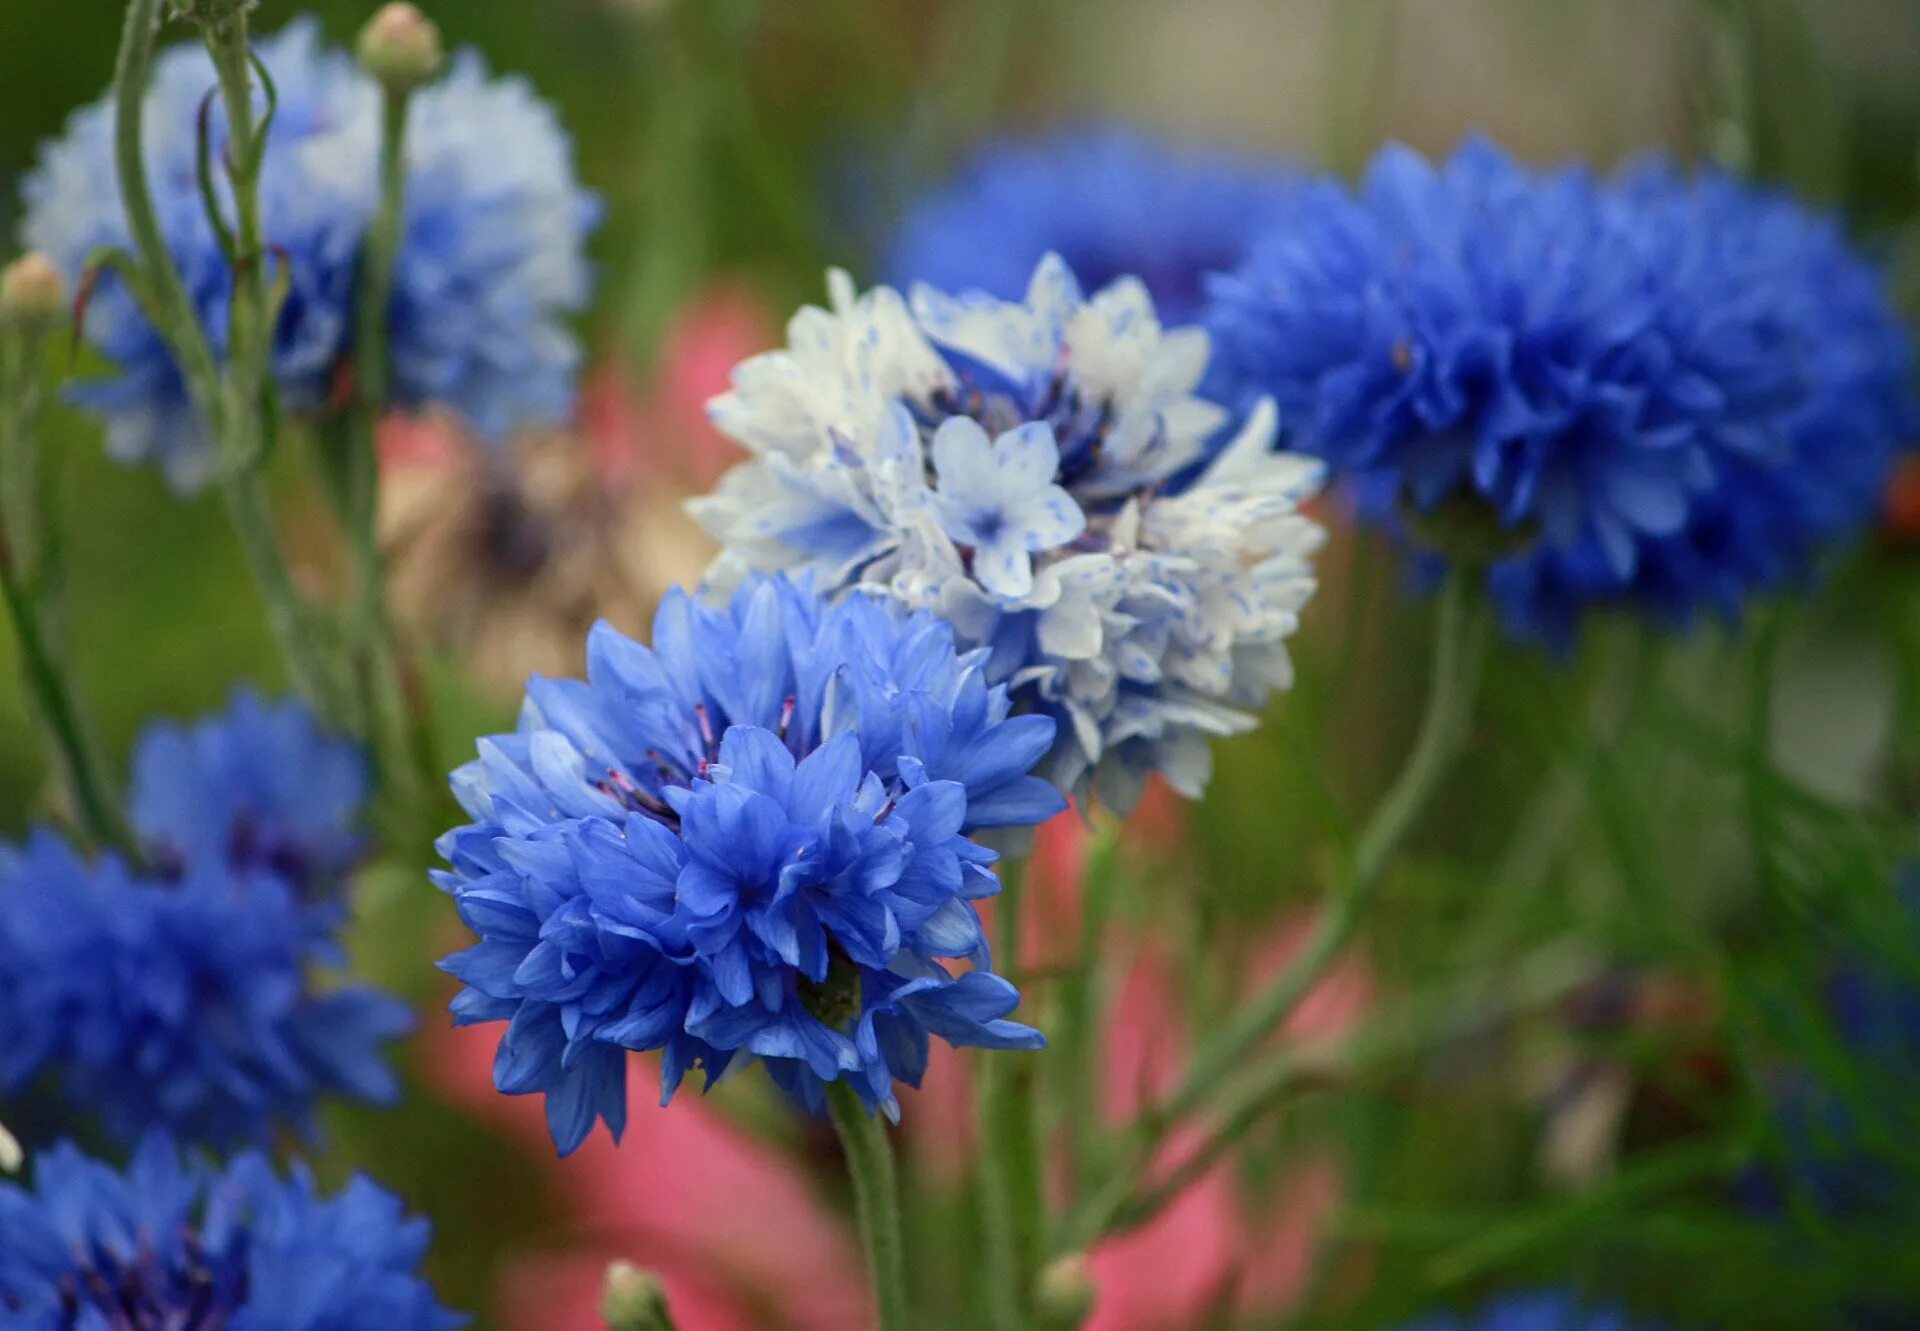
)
(1459, 644)
(1460, 639)
(876, 1200)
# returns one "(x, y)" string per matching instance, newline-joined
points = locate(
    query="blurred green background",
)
(765, 140)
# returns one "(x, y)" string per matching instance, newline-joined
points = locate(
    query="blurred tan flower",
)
(505, 557)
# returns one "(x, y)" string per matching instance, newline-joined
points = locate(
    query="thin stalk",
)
(1459, 645)
(26, 583)
(876, 1201)
(180, 326)
(1009, 1167)
(1460, 640)
(242, 436)
(231, 408)
(1459, 1013)
(1076, 1020)
(47, 681)
(370, 629)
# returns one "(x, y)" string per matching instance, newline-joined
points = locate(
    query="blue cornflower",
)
(1111, 202)
(1657, 390)
(183, 1004)
(168, 1243)
(261, 788)
(490, 266)
(1042, 474)
(1544, 1311)
(752, 838)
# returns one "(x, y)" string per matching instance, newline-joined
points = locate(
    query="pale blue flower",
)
(997, 496)
(490, 267)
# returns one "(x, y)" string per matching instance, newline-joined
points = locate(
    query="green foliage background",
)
(1729, 807)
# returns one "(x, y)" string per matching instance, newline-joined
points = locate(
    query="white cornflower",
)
(1042, 474)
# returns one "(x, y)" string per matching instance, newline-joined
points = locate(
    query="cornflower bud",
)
(400, 46)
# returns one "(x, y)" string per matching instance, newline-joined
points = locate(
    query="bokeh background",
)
(744, 146)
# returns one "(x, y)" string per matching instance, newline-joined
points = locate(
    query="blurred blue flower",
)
(1542, 1311)
(1111, 202)
(1667, 391)
(753, 837)
(260, 788)
(490, 267)
(173, 1244)
(1847, 1117)
(1041, 474)
(185, 1005)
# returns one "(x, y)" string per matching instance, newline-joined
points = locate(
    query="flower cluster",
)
(1534, 1312)
(752, 838)
(1111, 202)
(181, 997)
(490, 264)
(173, 1244)
(1040, 474)
(1655, 390)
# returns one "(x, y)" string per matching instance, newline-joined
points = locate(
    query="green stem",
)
(1460, 640)
(231, 407)
(47, 682)
(876, 1200)
(1459, 644)
(180, 326)
(26, 581)
(1009, 1167)
(1457, 1014)
(376, 654)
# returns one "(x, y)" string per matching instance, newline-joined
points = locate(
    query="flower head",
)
(1111, 202)
(259, 789)
(1535, 1312)
(752, 837)
(489, 267)
(173, 1244)
(1041, 474)
(1656, 390)
(182, 1004)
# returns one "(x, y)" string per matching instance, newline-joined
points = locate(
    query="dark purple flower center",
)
(195, 1292)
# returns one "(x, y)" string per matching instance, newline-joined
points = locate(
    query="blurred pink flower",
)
(660, 429)
(730, 1226)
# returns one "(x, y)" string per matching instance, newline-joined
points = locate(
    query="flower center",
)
(144, 1295)
(834, 1001)
(1000, 404)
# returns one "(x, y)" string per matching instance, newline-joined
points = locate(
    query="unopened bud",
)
(634, 1300)
(10, 1153)
(400, 46)
(1065, 1292)
(33, 295)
